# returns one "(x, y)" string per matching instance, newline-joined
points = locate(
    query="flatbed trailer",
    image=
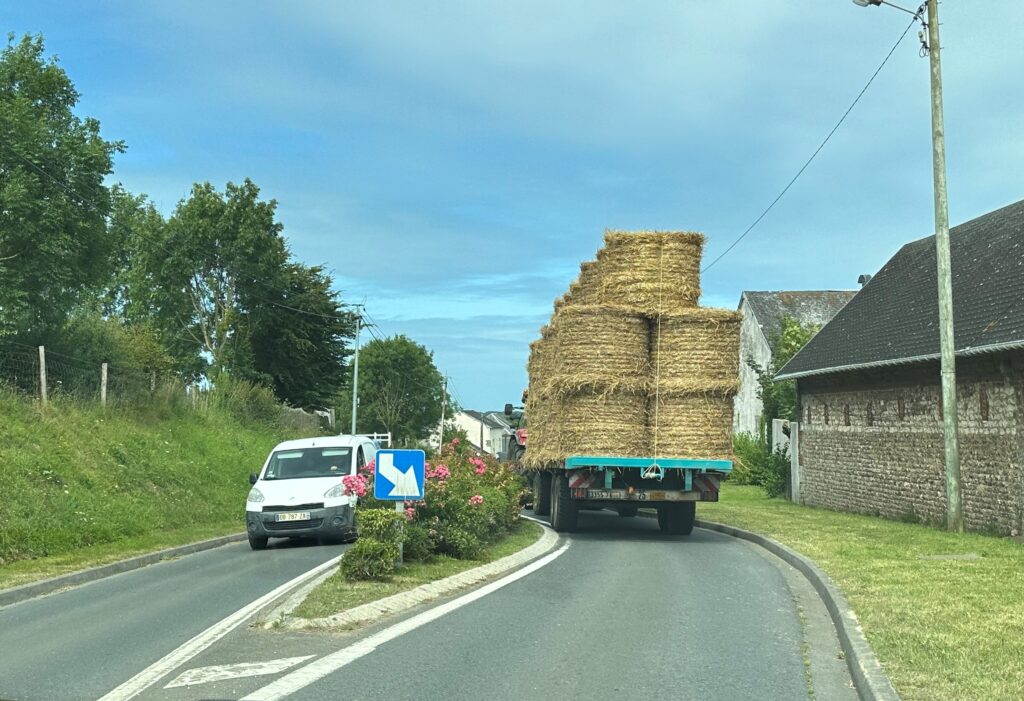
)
(673, 486)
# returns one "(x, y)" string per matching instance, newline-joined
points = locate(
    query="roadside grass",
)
(942, 628)
(337, 594)
(82, 485)
(26, 571)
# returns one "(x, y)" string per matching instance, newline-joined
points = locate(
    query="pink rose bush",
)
(468, 502)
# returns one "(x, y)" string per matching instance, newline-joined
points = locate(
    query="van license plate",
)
(294, 516)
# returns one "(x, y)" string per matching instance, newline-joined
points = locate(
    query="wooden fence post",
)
(103, 385)
(152, 381)
(42, 374)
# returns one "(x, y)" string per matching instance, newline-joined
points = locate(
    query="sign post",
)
(398, 475)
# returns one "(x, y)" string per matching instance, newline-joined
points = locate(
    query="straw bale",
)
(695, 425)
(698, 349)
(592, 423)
(587, 288)
(597, 347)
(650, 271)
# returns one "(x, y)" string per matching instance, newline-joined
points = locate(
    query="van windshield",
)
(309, 462)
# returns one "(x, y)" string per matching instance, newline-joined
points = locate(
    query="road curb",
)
(47, 586)
(373, 611)
(869, 677)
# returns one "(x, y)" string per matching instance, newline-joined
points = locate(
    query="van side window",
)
(360, 459)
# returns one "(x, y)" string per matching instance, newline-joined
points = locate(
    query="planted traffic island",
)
(464, 531)
(943, 612)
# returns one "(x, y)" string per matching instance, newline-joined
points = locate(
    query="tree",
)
(779, 397)
(299, 338)
(54, 247)
(200, 275)
(399, 390)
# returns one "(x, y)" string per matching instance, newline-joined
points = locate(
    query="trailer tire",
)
(677, 519)
(541, 494)
(564, 512)
(628, 511)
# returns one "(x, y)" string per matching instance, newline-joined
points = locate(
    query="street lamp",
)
(954, 507)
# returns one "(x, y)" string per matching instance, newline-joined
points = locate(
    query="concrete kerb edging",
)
(281, 618)
(869, 678)
(47, 586)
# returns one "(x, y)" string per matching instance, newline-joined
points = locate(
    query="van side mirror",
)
(508, 410)
(253, 477)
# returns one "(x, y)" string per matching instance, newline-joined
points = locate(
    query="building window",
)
(846, 414)
(826, 414)
(901, 408)
(983, 401)
(808, 413)
(871, 414)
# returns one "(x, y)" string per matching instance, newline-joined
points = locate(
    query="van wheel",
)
(257, 542)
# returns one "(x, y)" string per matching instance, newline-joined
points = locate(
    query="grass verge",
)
(26, 571)
(83, 486)
(337, 594)
(942, 627)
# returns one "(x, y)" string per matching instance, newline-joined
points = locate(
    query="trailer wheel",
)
(542, 494)
(677, 519)
(564, 511)
(628, 511)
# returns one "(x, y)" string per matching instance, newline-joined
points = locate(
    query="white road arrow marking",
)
(216, 673)
(404, 480)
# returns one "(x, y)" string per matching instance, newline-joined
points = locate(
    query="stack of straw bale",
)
(629, 365)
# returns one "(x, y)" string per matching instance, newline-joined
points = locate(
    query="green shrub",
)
(369, 559)
(458, 542)
(382, 525)
(758, 464)
(418, 544)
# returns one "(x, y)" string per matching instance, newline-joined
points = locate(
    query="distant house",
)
(495, 430)
(871, 438)
(763, 313)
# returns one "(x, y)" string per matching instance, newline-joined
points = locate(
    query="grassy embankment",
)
(944, 628)
(80, 486)
(338, 594)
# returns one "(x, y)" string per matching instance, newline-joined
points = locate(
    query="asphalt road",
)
(623, 613)
(83, 642)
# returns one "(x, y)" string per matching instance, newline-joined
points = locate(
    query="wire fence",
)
(49, 376)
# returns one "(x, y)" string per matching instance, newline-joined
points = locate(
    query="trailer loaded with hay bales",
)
(631, 386)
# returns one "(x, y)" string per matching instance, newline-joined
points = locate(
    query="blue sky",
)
(454, 162)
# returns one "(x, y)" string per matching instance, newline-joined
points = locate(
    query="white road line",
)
(208, 637)
(216, 673)
(314, 671)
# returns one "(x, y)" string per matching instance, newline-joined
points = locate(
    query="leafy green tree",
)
(299, 338)
(54, 248)
(198, 277)
(399, 390)
(779, 398)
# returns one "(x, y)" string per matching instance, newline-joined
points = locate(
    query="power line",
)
(816, 151)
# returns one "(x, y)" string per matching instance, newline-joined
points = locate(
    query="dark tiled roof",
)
(894, 318)
(806, 306)
(489, 421)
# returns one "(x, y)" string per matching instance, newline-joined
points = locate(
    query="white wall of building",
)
(747, 407)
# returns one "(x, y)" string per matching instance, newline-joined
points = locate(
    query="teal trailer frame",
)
(606, 464)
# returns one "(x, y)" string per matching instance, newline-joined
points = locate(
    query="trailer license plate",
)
(294, 516)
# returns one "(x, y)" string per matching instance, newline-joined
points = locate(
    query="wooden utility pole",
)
(947, 341)
(355, 376)
(444, 400)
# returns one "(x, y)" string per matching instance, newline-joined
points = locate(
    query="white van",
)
(299, 492)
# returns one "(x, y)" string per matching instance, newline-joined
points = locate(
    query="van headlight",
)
(335, 492)
(255, 496)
